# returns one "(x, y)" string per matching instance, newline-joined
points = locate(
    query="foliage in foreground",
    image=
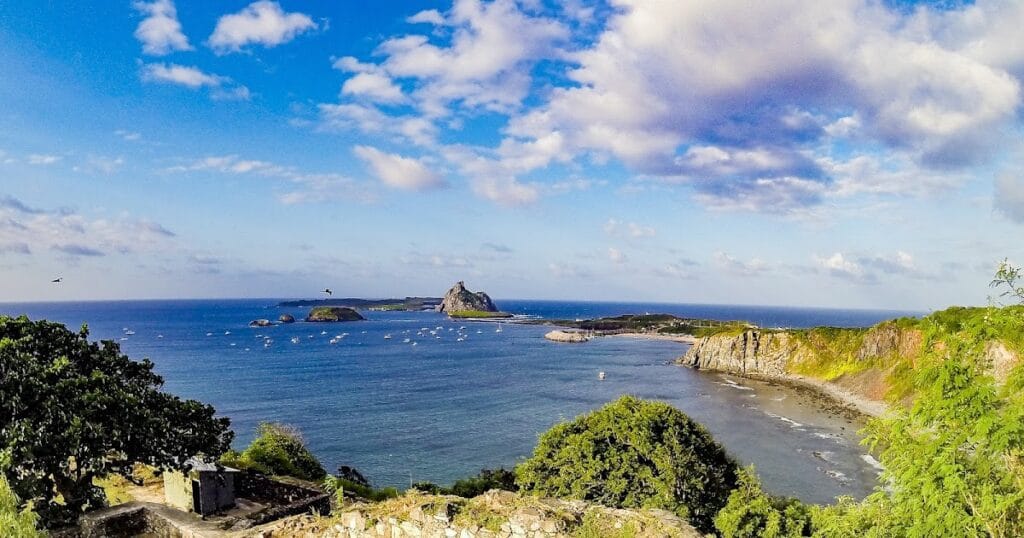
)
(76, 410)
(483, 482)
(633, 454)
(752, 513)
(278, 449)
(340, 487)
(15, 522)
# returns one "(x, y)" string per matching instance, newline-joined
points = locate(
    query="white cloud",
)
(616, 228)
(263, 23)
(28, 230)
(682, 271)
(505, 191)
(373, 86)
(566, 270)
(1009, 196)
(399, 172)
(100, 164)
(839, 266)
(370, 120)
(128, 136)
(427, 16)
(41, 159)
(160, 32)
(191, 77)
(728, 263)
(616, 256)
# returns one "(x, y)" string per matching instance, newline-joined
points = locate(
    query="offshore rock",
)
(459, 299)
(333, 313)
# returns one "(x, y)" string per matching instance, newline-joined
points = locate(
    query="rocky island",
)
(459, 302)
(333, 313)
(286, 318)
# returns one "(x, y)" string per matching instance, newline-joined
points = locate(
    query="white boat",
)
(227, 333)
(387, 337)
(129, 332)
(406, 341)
(600, 375)
(232, 344)
(498, 330)
(460, 339)
(209, 334)
(414, 343)
(159, 336)
(479, 332)
(295, 339)
(322, 333)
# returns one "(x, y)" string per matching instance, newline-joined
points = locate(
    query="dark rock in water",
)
(352, 475)
(286, 318)
(260, 323)
(459, 299)
(333, 313)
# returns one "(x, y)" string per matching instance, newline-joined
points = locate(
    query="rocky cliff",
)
(459, 299)
(872, 364)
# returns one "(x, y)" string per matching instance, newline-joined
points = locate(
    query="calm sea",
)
(467, 396)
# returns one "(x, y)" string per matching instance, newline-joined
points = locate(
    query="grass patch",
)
(478, 314)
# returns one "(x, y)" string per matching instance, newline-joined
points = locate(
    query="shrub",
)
(633, 454)
(752, 513)
(15, 521)
(487, 480)
(278, 449)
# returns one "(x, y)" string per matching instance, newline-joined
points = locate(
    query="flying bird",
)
(57, 280)
(327, 291)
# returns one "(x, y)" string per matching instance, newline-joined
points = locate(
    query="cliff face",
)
(459, 299)
(752, 352)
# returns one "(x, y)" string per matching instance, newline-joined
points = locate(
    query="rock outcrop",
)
(260, 323)
(459, 299)
(572, 337)
(751, 352)
(333, 313)
(286, 318)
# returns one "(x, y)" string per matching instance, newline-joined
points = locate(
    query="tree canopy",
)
(72, 410)
(278, 449)
(633, 454)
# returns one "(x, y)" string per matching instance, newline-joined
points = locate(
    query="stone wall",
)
(285, 498)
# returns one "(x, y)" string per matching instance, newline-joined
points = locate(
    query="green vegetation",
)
(278, 449)
(633, 454)
(1009, 277)
(340, 486)
(16, 521)
(487, 480)
(333, 313)
(654, 323)
(480, 314)
(752, 513)
(77, 410)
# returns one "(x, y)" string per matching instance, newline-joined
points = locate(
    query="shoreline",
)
(680, 338)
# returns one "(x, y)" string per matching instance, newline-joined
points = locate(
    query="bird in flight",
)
(327, 291)
(57, 280)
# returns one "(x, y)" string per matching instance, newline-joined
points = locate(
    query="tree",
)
(633, 454)
(278, 449)
(752, 513)
(72, 410)
(1009, 277)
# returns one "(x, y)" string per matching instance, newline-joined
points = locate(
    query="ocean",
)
(467, 396)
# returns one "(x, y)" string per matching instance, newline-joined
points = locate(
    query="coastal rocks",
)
(459, 299)
(333, 313)
(567, 336)
(260, 323)
(286, 318)
(751, 352)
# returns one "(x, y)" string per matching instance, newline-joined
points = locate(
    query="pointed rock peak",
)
(460, 299)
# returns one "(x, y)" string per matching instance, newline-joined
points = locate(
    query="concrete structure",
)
(205, 489)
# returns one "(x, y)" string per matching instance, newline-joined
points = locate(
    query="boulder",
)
(459, 299)
(286, 318)
(333, 313)
(567, 336)
(260, 323)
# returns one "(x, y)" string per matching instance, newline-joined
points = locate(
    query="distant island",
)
(461, 303)
(333, 313)
(409, 303)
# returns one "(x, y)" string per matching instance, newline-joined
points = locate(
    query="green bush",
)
(487, 480)
(633, 454)
(15, 521)
(278, 449)
(752, 513)
(339, 486)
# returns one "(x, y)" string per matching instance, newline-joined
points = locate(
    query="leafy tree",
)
(15, 522)
(633, 454)
(954, 461)
(485, 481)
(73, 410)
(278, 449)
(752, 513)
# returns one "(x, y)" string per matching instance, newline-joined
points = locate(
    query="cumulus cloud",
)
(263, 23)
(677, 271)
(128, 136)
(160, 32)
(191, 77)
(24, 229)
(427, 16)
(616, 256)
(867, 269)
(397, 171)
(373, 86)
(370, 120)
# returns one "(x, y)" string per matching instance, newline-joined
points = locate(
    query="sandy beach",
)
(681, 338)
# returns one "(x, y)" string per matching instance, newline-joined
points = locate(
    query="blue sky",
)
(849, 153)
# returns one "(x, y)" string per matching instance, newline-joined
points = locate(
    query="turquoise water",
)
(444, 408)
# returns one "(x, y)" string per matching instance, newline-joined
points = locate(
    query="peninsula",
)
(409, 303)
